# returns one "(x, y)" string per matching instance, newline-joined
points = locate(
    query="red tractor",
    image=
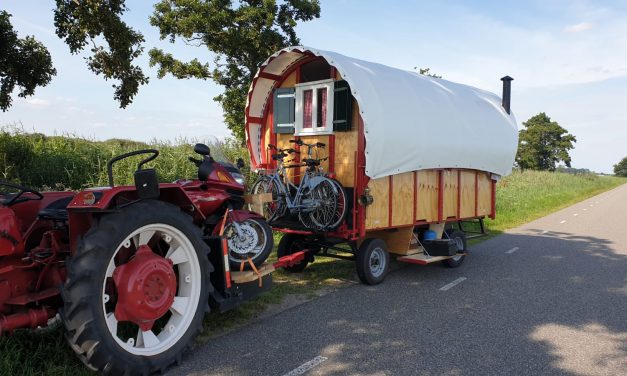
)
(130, 269)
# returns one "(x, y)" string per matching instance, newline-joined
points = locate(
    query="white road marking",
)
(303, 368)
(453, 284)
(564, 221)
(512, 250)
(576, 214)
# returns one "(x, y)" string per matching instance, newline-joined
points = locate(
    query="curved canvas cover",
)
(411, 121)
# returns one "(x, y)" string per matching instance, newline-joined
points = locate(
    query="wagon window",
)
(314, 101)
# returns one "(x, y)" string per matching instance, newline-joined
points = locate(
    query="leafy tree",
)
(81, 23)
(543, 143)
(620, 169)
(241, 35)
(25, 63)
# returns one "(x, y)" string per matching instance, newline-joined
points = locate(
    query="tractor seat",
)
(56, 211)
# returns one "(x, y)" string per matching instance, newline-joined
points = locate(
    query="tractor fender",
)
(90, 204)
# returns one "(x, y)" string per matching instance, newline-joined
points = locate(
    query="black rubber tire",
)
(289, 244)
(82, 314)
(363, 261)
(456, 234)
(261, 257)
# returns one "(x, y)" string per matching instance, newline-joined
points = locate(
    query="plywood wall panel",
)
(467, 207)
(484, 196)
(377, 214)
(290, 80)
(427, 203)
(345, 148)
(449, 207)
(403, 199)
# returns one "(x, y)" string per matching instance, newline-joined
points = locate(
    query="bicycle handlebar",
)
(301, 143)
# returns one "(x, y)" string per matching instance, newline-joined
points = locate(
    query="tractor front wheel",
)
(137, 289)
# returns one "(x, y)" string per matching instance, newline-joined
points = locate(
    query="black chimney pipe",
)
(507, 92)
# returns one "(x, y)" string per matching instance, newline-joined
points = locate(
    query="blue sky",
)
(568, 59)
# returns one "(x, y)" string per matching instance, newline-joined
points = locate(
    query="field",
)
(73, 163)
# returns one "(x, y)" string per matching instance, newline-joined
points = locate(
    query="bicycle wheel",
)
(274, 209)
(330, 209)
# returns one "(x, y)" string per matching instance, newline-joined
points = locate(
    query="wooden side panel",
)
(290, 80)
(467, 207)
(377, 214)
(449, 179)
(345, 148)
(403, 199)
(283, 143)
(427, 203)
(397, 240)
(484, 196)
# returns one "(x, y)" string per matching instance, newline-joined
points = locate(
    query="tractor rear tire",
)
(91, 322)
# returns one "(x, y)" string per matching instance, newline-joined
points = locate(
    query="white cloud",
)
(582, 26)
(37, 102)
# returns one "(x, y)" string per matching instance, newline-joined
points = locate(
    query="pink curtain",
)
(308, 104)
(322, 107)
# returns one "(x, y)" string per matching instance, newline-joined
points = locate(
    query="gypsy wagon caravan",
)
(413, 155)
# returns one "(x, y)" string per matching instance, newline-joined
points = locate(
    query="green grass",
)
(524, 196)
(78, 162)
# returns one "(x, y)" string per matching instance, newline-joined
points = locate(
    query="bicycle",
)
(319, 201)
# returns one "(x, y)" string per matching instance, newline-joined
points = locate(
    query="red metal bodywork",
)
(34, 250)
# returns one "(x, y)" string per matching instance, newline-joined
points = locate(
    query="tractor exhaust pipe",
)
(507, 92)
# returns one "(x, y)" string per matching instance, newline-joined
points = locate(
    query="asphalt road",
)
(549, 297)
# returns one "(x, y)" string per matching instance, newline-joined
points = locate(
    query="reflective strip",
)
(226, 263)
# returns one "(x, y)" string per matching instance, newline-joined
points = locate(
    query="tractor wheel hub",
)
(146, 287)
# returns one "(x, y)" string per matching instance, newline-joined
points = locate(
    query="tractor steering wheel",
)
(17, 198)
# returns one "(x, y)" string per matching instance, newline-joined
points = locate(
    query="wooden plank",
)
(449, 207)
(377, 214)
(467, 207)
(345, 146)
(484, 193)
(427, 203)
(422, 259)
(251, 275)
(398, 240)
(402, 199)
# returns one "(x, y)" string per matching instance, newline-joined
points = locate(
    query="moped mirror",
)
(202, 149)
(240, 163)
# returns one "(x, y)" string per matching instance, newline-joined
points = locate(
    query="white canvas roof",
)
(411, 121)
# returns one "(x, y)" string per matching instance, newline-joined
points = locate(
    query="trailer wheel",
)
(137, 289)
(289, 244)
(460, 240)
(372, 261)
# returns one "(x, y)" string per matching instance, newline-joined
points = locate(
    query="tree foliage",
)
(427, 72)
(25, 63)
(87, 22)
(241, 35)
(620, 169)
(543, 143)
